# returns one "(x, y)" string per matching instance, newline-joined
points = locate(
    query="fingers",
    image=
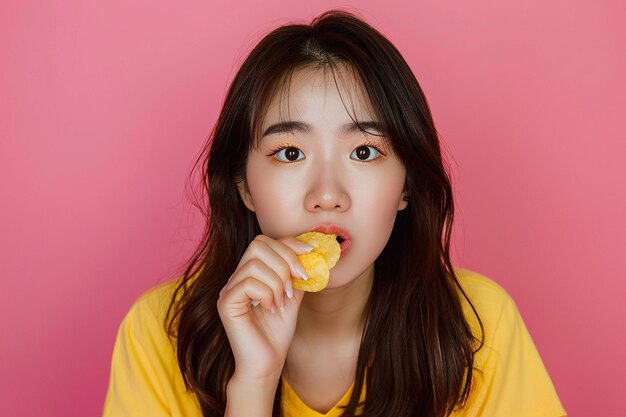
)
(288, 249)
(250, 288)
(259, 270)
(285, 247)
(273, 262)
(297, 248)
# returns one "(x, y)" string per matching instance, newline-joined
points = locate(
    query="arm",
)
(250, 399)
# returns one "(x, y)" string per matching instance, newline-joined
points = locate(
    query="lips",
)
(343, 236)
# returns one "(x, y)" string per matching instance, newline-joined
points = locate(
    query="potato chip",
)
(317, 263)
(324, 244)
(316, 269)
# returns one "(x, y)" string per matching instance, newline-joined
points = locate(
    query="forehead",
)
(340, 78)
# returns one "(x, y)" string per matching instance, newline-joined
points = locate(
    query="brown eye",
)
(291, 153)
(364, 152)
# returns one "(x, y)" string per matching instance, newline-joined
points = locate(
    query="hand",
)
(260, 336)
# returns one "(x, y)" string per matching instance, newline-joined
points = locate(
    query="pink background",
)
(105, 106)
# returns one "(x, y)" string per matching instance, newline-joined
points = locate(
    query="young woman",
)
(326, 128)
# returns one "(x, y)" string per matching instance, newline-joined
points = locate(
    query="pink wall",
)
(105, 105)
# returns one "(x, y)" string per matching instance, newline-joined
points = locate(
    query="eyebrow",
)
(293, 126)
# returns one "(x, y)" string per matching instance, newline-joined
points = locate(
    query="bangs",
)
(348, 83)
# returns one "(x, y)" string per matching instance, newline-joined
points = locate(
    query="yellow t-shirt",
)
(146, 381)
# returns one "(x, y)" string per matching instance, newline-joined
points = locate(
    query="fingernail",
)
(289, 289)
(301, 271)
(255, 303)
(305, 246)
(273, 309)
(282, 306)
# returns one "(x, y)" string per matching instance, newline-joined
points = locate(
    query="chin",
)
(334, 282)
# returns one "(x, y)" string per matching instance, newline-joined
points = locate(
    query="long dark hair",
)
(421, 344)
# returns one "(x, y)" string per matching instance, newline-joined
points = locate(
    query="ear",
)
(244, 192)
(403, 202)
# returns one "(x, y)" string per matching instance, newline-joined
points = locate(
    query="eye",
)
(291, 153)
(363, 151)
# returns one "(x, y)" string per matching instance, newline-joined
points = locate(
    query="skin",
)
(330, 178)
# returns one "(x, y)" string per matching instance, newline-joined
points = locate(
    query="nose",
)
(327, 194)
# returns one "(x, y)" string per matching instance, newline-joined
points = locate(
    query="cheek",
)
(379, 205)
(273, 201)
(382, 194)
(381, 216)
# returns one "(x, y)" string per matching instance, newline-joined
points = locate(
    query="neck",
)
(335, 316)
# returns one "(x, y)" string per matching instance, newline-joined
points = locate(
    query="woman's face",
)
(328, 172)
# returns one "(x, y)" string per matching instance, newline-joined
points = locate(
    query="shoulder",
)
(493, 304)
(145, 376)
(511, 379)
(148, 312)
(484, 291)
(155, 300)
(503, 331)
(479, 285)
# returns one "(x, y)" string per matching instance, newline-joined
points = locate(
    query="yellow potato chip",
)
(316, 269)
(317, 263)
(324, 244)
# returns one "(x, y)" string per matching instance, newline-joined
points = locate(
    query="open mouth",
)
(343, 244)
(342, 236)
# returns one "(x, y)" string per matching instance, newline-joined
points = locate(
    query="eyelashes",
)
(368, 143)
